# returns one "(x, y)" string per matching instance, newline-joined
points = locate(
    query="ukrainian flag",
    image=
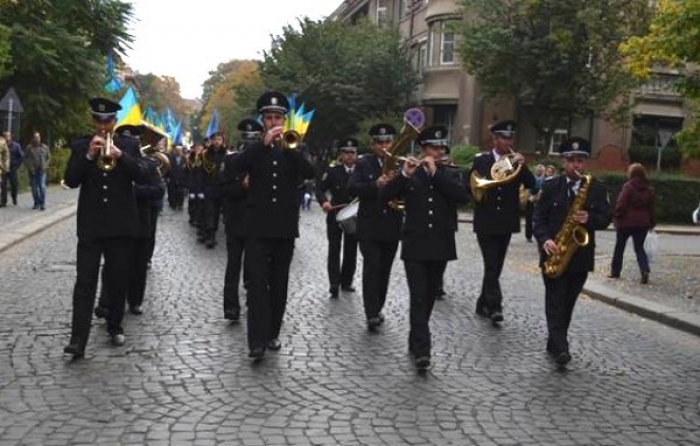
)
(130, 114)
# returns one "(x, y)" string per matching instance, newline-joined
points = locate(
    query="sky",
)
(186, 39)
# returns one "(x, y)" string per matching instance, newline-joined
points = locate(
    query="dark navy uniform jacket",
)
(551, 210)
(334, 181)
(213, 179)
(107, 203)
(431, 212)
(234, 195)
(272, 202)
(146, 195)
(499, 211)
(375, 220)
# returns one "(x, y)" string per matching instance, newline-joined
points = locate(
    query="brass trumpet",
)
(291, 139)
(106, 160)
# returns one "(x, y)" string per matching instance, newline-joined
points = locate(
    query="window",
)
(422, 56)
(445, 115)
(558, 137)
(381, 11)
(403, 8)
(447, 46)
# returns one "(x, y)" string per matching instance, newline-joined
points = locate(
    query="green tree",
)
(558, 59)
(161, 93)
(672, 41)
(58, 50)
(345, 72)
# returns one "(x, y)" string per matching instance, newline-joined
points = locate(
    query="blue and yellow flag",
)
(213, 126)
(130, 114)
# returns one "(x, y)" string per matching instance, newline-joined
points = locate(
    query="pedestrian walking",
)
(633, 217)
(36, 160)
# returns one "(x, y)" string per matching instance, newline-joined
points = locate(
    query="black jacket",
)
(146, 194)
(272, 202)
(431, 212)
(499, 211)
(234, 196)
(550, 213)
(375, 220)
(212, 178)
(334, 182)
(107, 203)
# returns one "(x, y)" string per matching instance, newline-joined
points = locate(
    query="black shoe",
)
(440, 295)
(334, 292)
(423, 362)
(36, 206)
(645, 278)
(562, 358)
(210, 243)
(73, 349)
(274, 344)
(257, 353)
(348, 288)
(2, 205)
(135, 309)
(14, 202)
(148, 265)
(234, 315)
(118, 339)
(613, 276)
(373, 323)
(101, 312)
(496, 317)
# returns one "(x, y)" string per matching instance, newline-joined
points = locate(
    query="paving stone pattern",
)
(183, 376)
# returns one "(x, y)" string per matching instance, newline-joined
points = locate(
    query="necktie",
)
(572, 193)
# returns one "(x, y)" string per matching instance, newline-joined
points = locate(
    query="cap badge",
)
(575, 146)
(273, 101)
(382, 131)
(101, 107)
(509, 127)
(349, 144)
(438, 134)
(248, 127)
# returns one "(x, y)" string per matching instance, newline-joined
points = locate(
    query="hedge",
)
(671, 156)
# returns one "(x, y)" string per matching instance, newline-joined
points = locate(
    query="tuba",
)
(413, 121)
(106, 160)
(160, 158)
(502, 172)
(570, 236)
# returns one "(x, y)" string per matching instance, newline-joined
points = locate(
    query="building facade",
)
(451, 97)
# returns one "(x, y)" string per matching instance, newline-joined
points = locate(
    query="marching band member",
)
(107, 220)
(234, 195)
(212, 163)
(378, 227)
(335, 182)
(497, 217)
(567, 201)
(177, 179)
(431, 192)
(271, 222)
(195, 189)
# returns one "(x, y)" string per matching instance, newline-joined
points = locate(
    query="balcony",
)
(661, 86)
(441, 8)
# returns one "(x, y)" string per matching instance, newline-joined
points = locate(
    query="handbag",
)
(651, 244)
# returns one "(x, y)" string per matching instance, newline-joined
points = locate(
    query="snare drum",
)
(347, 217)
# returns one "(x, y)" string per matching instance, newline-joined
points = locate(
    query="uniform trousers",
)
(139, 271)
(234, 262)
(423, 281)
(378, 258)
(195, 209)
(560, 298)
(213, 206)
(176, 195)
(267, 263)
(337, 274)
(10, 177)
(117, 253)
(493, 250)
(151, 241)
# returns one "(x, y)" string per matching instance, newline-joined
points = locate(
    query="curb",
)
(672, 317)
(12, 236)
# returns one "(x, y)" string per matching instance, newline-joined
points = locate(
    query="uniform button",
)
(430, 225)
(104, 187)
(431, 186)
(274, 175)
(274, 186)
(498, 208)
(430, 212)
(104, 174)
(274, 163)
(499, 198)
(105, 200)
(274, 200)
(430, 199)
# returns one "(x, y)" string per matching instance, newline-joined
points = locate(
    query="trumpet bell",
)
(291, 139)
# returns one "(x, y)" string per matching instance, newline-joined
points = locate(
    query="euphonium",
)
(160, 158)
(571, 235)
(502, 172)
(209, 166)
(106, 160)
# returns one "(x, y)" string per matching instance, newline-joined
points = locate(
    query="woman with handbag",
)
(633, 217)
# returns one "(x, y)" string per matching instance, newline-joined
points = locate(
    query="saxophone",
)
(570, 236)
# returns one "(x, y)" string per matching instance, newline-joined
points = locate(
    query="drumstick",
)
(338, 206)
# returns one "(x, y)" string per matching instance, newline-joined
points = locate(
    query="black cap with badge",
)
(273, 101)
(349, 145)
(435, 135)
(382, 132)
(575, 147)
(504, 129)
(250, 128)
(103, 109)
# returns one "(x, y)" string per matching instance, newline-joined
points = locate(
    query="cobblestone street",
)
(184, 377)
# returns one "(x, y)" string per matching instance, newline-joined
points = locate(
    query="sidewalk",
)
(672, 297)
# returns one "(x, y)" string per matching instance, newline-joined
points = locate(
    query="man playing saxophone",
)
(569, 205)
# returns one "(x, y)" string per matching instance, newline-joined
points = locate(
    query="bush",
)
(675, 196)
(463, 155)
(57, 166)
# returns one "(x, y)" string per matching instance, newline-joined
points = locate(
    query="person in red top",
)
(633, 217)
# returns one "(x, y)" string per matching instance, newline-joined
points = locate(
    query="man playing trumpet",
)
(431, 191)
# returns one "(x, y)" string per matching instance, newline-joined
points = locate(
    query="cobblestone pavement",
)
(183, 377)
